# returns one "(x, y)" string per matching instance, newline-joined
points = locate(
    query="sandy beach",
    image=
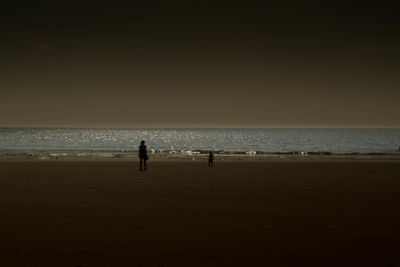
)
(183, 213)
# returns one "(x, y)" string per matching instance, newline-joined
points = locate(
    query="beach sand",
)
(183, 213)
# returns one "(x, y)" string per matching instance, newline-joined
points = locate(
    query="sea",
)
(191, 141)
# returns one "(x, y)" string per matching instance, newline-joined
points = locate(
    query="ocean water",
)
(198, 140)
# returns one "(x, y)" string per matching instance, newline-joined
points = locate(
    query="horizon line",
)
(200, 127)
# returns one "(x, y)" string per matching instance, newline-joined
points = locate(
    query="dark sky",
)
(200, 63)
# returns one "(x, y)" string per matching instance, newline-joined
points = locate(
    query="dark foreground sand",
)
(251, 213)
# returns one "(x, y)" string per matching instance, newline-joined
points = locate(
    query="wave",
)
(42, 154)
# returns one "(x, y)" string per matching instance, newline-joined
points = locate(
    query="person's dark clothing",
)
(143, 156)
(142, 151)
(211, 159)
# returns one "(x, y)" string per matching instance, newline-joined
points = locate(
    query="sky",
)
(154, 63)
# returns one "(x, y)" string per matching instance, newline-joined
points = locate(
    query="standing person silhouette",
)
(143, 155)
(210, 159)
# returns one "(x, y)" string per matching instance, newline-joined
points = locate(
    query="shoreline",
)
(182, 157)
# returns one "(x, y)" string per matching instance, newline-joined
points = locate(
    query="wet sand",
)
(183, 213)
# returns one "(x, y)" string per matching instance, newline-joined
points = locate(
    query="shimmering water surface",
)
(91, 140)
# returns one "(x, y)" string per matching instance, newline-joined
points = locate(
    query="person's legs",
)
(145, 165)
(140, 165)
